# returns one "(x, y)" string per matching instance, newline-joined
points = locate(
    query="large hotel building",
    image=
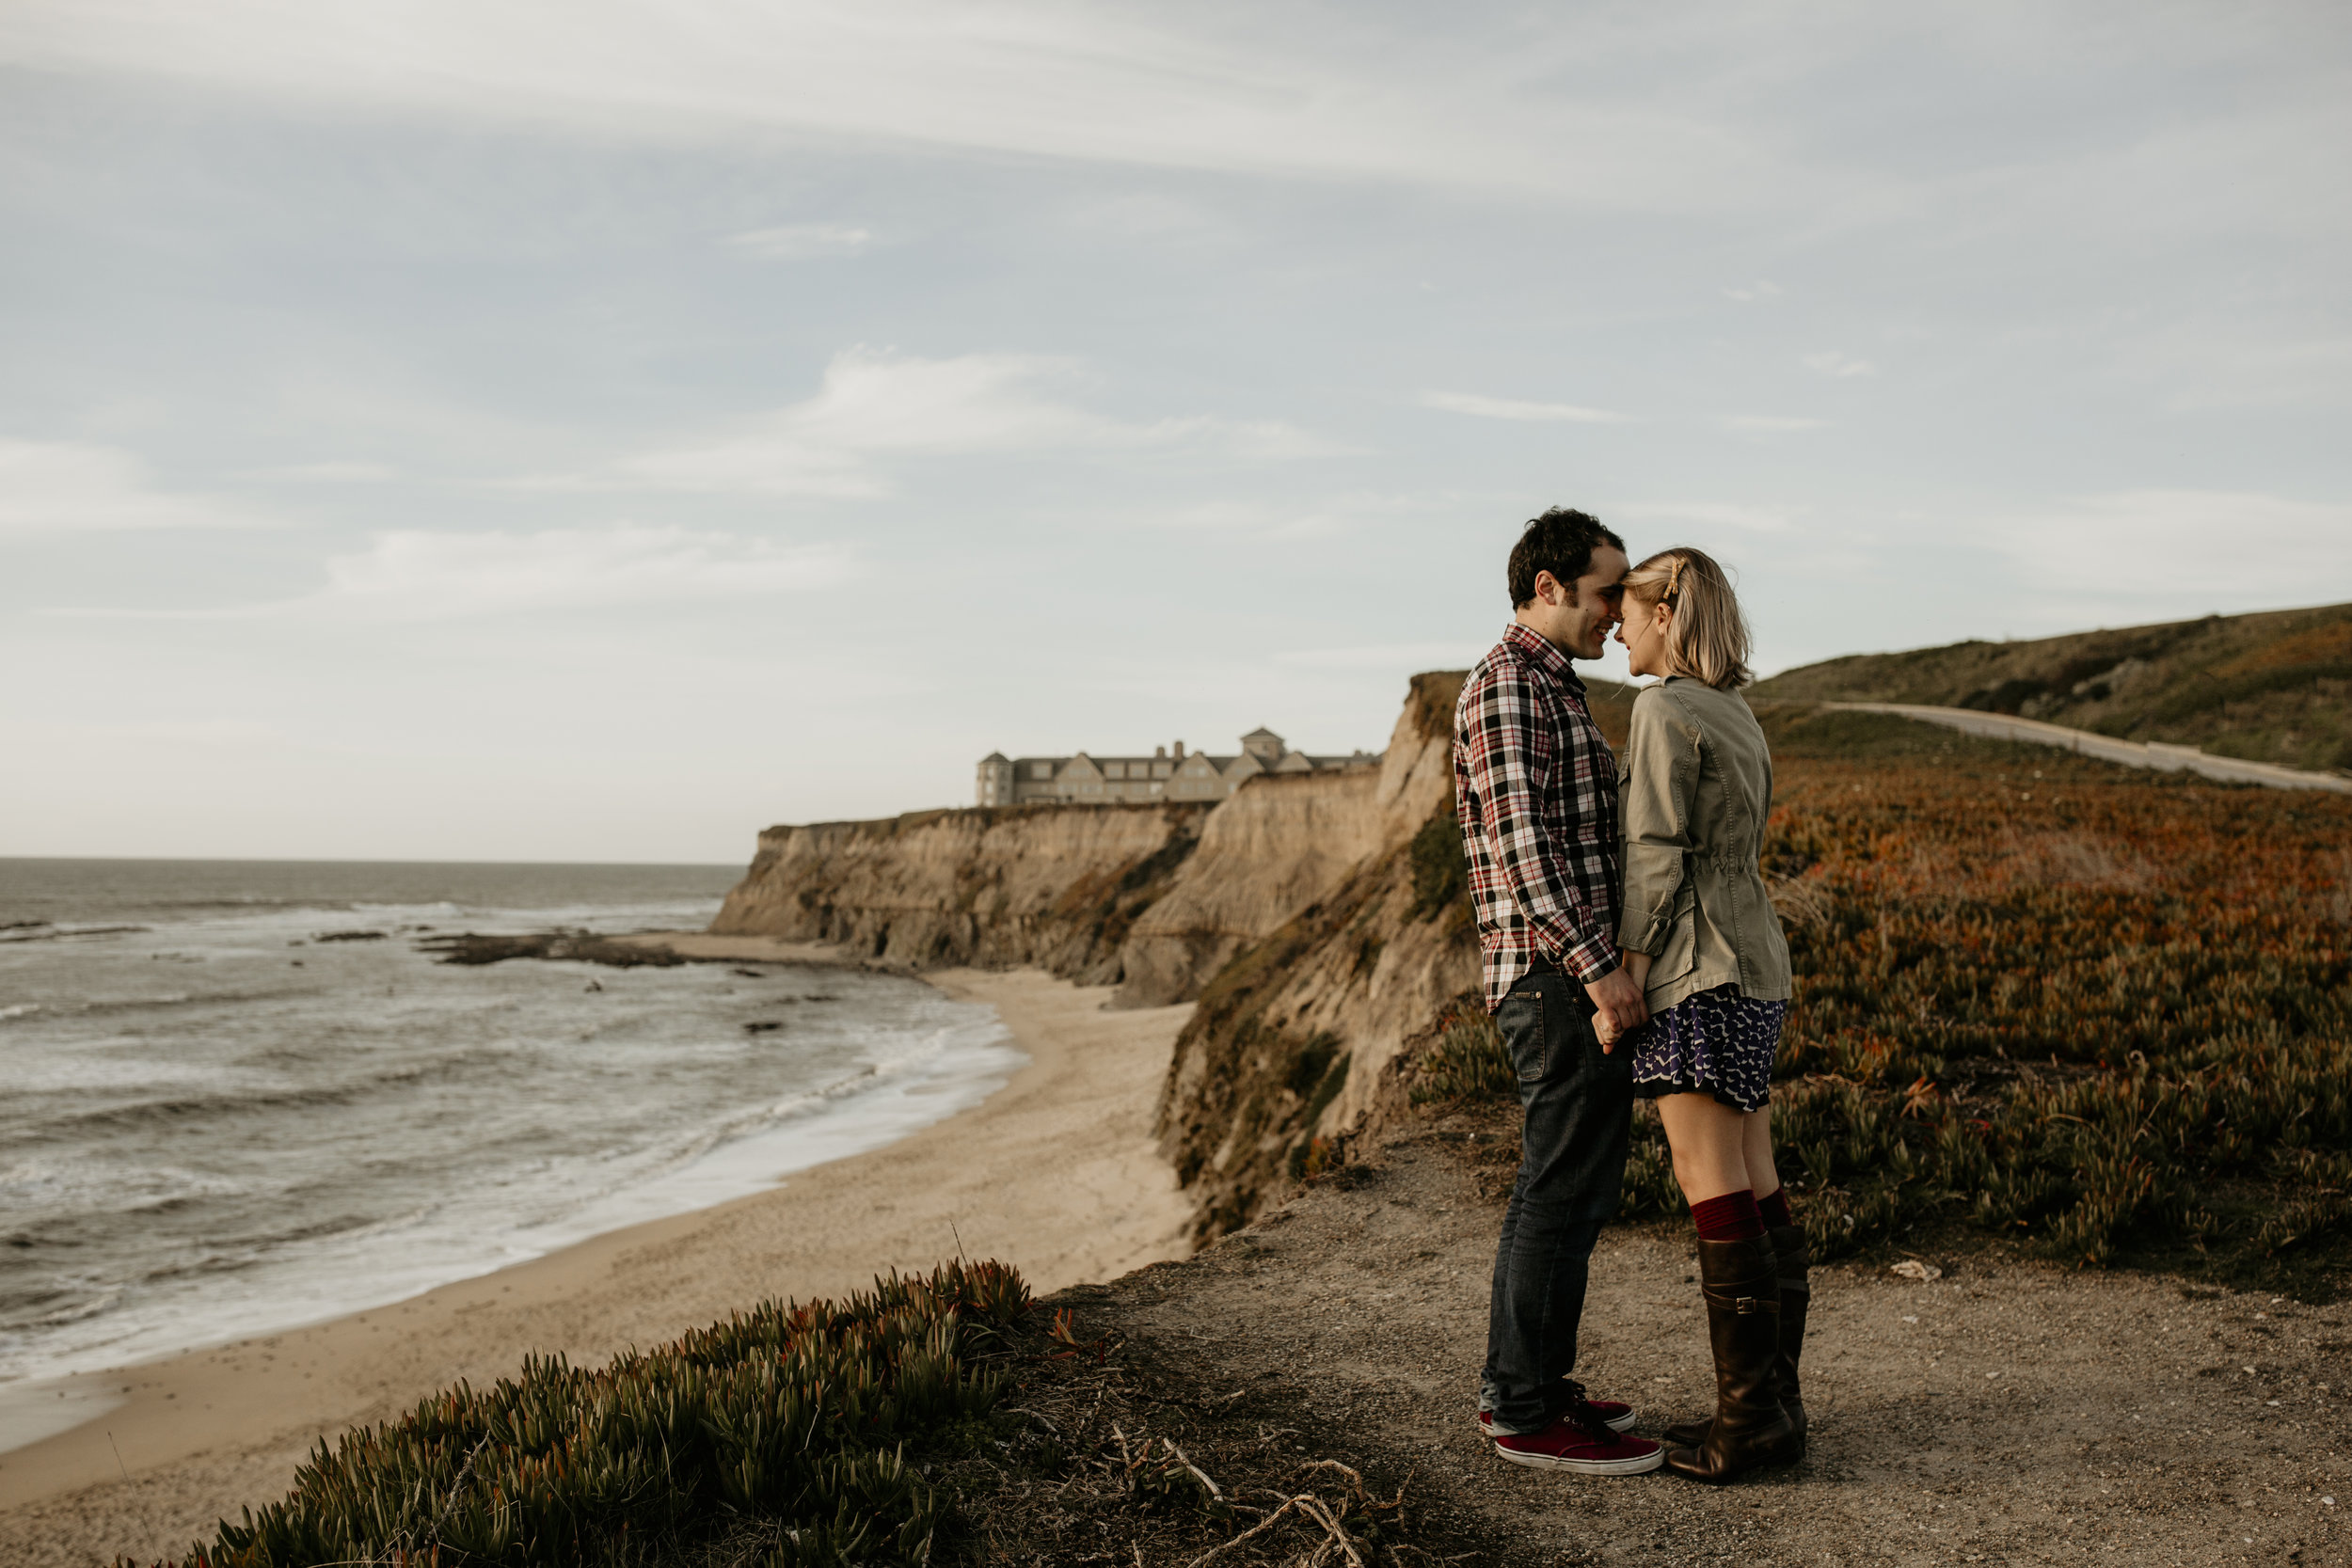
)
(1169, 773)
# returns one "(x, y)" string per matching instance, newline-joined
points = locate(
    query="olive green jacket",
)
(1697, 787)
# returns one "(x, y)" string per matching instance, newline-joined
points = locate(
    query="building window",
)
(1114, 770)
(1040, 770)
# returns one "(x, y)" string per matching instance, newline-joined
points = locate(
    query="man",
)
(1535, 787)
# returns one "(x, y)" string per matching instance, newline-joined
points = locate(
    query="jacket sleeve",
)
(1510, 779)
(1662, 783)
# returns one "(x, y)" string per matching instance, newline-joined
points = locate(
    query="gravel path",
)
(2009, 1414)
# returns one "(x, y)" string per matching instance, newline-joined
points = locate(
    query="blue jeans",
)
(1579, 1111)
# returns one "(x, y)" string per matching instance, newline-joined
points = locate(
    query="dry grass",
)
(1121, 1458)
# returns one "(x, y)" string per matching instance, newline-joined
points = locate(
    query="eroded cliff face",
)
(1275, 847)
(1287, 1048)
(1059, 887)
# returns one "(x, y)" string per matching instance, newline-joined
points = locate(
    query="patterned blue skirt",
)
(1718, 1042)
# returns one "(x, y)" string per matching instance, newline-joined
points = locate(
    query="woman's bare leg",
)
(1756, 1144)
(1709, 1143)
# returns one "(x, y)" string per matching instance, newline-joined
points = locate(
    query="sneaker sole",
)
(1639, 1465)
(1622, 1423)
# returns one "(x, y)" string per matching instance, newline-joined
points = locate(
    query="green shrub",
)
(798, 1416)
(1440, 866)
(1466, 1061)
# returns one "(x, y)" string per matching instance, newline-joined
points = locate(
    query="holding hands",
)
(1618, 1004)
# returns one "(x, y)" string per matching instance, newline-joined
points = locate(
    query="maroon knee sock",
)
(1774, 1208)
(1729, 1218)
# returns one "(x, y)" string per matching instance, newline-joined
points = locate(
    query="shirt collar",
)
(1544, 655)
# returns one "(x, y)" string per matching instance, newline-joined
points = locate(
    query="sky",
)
(596, 431)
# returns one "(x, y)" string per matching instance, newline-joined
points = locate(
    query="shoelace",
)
(1579, 1411)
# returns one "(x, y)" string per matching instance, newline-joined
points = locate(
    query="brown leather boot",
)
(1742, 1286)
(1794, 1259)
(1796, 1294)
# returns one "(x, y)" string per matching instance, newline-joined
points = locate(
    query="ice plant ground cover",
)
(788, 1434)
(2095, 1012)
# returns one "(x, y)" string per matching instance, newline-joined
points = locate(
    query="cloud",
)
(2187, 550)
(1747, 294)
(874, 404)
(800, 242)
(1830, 362)
(68, 487)
(1258, 91)
(1386, 656)
(1758, 520)
(1770, 423)
(412, 574)
(1514, 408)
(1323, 519)
(328, 473)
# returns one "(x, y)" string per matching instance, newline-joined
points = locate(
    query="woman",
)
(1700, 937)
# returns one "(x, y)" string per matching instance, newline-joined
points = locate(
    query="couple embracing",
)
(1629, 948)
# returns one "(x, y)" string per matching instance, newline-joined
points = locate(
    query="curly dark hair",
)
(1560, 541)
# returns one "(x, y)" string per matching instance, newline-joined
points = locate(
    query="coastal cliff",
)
(1320, 921)
(993, 887)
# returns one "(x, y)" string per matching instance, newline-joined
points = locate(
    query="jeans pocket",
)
(1521, 1020)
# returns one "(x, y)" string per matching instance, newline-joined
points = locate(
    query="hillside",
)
(2273, 687)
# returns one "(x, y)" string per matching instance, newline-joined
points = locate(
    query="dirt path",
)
(2015, 1416)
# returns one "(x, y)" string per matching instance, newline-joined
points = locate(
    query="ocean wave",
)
(33, 1311)
(43, 931)
(180, 1111)
(121, 1007)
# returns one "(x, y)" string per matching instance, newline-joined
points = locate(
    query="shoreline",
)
(205, 1431)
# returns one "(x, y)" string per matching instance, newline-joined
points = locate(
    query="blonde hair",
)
(1708, 638)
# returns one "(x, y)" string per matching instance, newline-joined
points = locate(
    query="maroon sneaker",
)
(1589, 1450)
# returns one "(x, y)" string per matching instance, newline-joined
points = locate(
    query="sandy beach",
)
(1056, 1173)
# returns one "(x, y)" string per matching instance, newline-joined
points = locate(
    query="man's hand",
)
(1617, 1007)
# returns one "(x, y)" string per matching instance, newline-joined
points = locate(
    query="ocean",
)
(238, 1096)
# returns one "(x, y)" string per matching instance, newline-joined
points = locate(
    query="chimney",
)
(1180, 750)
(1159, 752)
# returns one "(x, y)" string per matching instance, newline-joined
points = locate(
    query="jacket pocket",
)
(1682, 940)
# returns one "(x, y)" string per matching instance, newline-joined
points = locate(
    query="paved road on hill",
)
(2130, 754)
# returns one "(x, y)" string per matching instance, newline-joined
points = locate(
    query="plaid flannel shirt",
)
(1536, 788)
